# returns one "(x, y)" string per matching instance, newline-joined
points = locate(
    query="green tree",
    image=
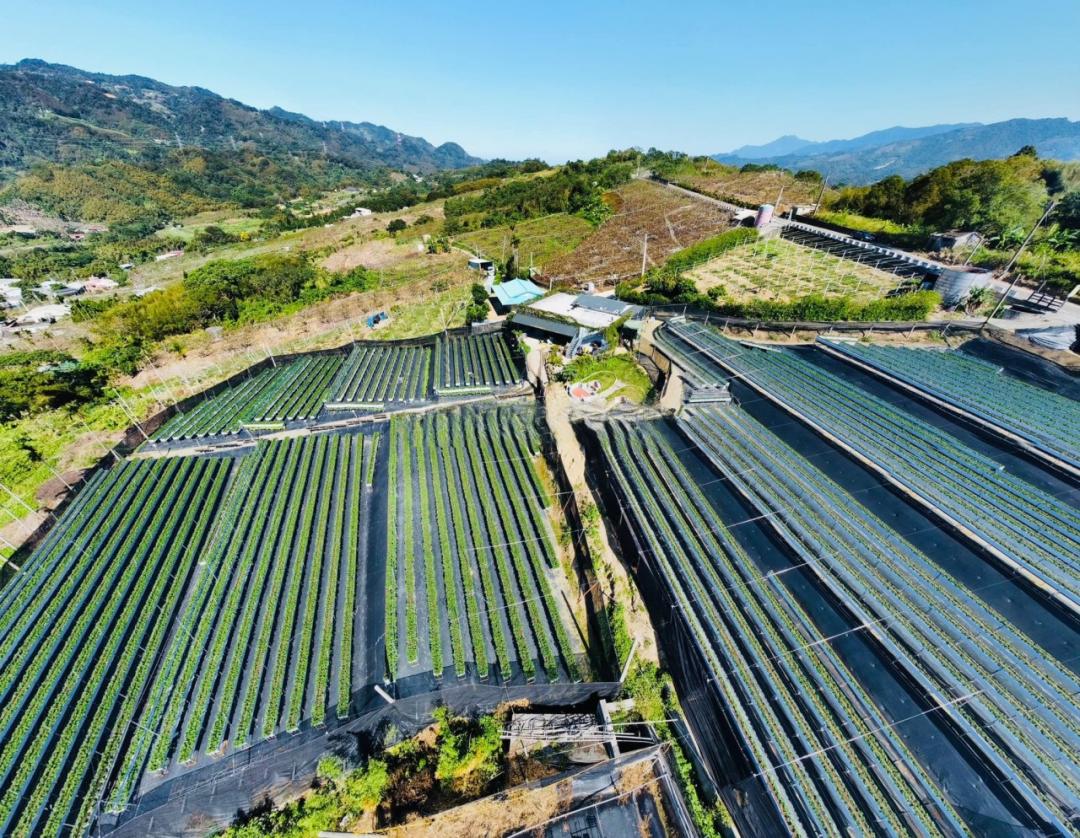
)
(396, 226)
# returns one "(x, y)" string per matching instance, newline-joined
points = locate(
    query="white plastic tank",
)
(764, 215)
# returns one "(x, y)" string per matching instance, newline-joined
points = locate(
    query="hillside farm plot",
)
(270, 636)
(297, 391)
(840, 711)
(475, 364)
(927, 621)
(473, 585)
(776, 269)
(746, 188)
(374, 376)
(539, 240)
(613, 252)
(1051, 423)
(292, 391)
(81, 626)
(1027, 530)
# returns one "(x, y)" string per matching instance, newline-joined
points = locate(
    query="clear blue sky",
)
(572, 79)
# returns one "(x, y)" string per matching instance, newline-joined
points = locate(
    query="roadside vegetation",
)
(999, 199)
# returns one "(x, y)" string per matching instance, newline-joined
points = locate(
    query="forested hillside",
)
(55, 113)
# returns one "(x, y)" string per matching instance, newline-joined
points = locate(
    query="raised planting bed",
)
(266, 641)
(471, 571)
(81, 645)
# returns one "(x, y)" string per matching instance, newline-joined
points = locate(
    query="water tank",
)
(954, 284)
(764, 215)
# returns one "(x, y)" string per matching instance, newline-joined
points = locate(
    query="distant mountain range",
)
(912, 151)
(52, 112)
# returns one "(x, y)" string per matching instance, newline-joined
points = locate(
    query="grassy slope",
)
(609, 370)
(541, 239)
(781, 270)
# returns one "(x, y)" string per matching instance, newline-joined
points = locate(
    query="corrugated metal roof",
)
(608, 305)
(531, 321)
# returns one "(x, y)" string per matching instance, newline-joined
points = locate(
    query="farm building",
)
(952, 239)
(99, 283)
(515, 292)
(543, 328)
(44, 314)
(588, 310)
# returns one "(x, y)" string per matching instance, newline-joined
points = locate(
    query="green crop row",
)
(191, 534)
(352, 549)
(412, 643)
(483, 475)
(41, 605)
(328, 605)
(46, 660)
(450, 589)
(226, 619)
(540, 546)
(453, 491)
(282, 563)
(430, 582)
(312, 601)
(146, 735)
(40, 742)
(195, 631)
(522, 543)
(471, 490)
(296, 580)
(253, 604)
(392, 549)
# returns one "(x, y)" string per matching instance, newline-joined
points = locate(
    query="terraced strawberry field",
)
(268, 638)
(81, 626)
(289, 392)
(373, 376)
(1029, 531)
(467, 534)
(1045, 421)
(794, 644)
(474, 364)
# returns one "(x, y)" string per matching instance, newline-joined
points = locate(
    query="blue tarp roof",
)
(517, 292)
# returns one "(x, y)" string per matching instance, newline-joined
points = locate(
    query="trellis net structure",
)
(371, 377)
(872, 623)
(194, 607)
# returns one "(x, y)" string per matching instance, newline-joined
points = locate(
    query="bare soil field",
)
(614, 250)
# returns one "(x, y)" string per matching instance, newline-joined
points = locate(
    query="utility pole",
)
(821, 194)
(644, 253)
(1016, 258)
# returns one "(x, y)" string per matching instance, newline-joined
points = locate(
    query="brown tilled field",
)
(752, 188)
(613, 251)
